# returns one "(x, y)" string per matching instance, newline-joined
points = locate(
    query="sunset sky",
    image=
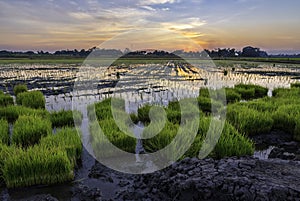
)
(272, 25)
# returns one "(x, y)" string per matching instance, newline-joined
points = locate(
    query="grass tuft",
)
(65, 118)
(32, 99)
(28, 130)
(4, 132)
(20, 88)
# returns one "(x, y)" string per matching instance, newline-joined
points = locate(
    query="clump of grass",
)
(5, 153)
(285, 117)
(297, 129)
(28, 130)
(204, 92)
(109, 133)
(232, 96)
(36, 165)
(67, 139)
(263, 105)
(12, 113)
(162, 139)
(6, 100)
(65, 118)
(250, 91)
(232, 143)
(20, 88)
(103, 109)
(143, 113)
(208, 105)
(249, 121)
(246, 94)
(4, 131)
(134, 118)
(117, 136)
(295, 85)
(32, 99)
(286, 93)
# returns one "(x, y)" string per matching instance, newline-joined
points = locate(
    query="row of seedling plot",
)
(260, 116)
(32, 154)
(109, 123)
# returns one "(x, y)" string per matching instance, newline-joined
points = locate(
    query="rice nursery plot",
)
(33, 155)
(119, 135)
(12, 113)
(279, 112)
(28, 130)
(4, 132)
(20, 88)
(6, 100)
(66, 118)
(67, 139)
(36, 165)
(32, 99)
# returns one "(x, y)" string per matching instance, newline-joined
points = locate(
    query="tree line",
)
(96, 52)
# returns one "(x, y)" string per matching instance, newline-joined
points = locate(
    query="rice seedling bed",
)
(4, 132)
(32, 99)
(6, 100)
(65, 118)
(36, 165)
(28, 130)
(12, 113)
(20, 88)
(68, 139)
(35, 155)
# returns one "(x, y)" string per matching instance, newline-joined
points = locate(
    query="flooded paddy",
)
(137, 85)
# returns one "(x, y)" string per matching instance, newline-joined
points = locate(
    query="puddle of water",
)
(263, 154)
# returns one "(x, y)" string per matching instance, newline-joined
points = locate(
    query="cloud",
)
(148, 8)
(154, 2)
(184, 24)
(80, 15)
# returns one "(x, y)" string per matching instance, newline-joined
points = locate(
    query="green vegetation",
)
(162, 139)
(295, 85)
(28, 130)
(36, 165)
(297, 129)
(35, 155)
(65, 118)
(208, 105)
(6, 100)
(20, 88)
(232, 96)
(32, 99)
(285, 117)
(143, 113)
(280, 112)
(12, 113)
(119, 134)
(66, 139)
(231, 142)
(250, 91)
(249, 121)
(4, 132)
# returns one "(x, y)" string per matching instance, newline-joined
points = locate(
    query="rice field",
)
(31, 153)
(43, 113)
